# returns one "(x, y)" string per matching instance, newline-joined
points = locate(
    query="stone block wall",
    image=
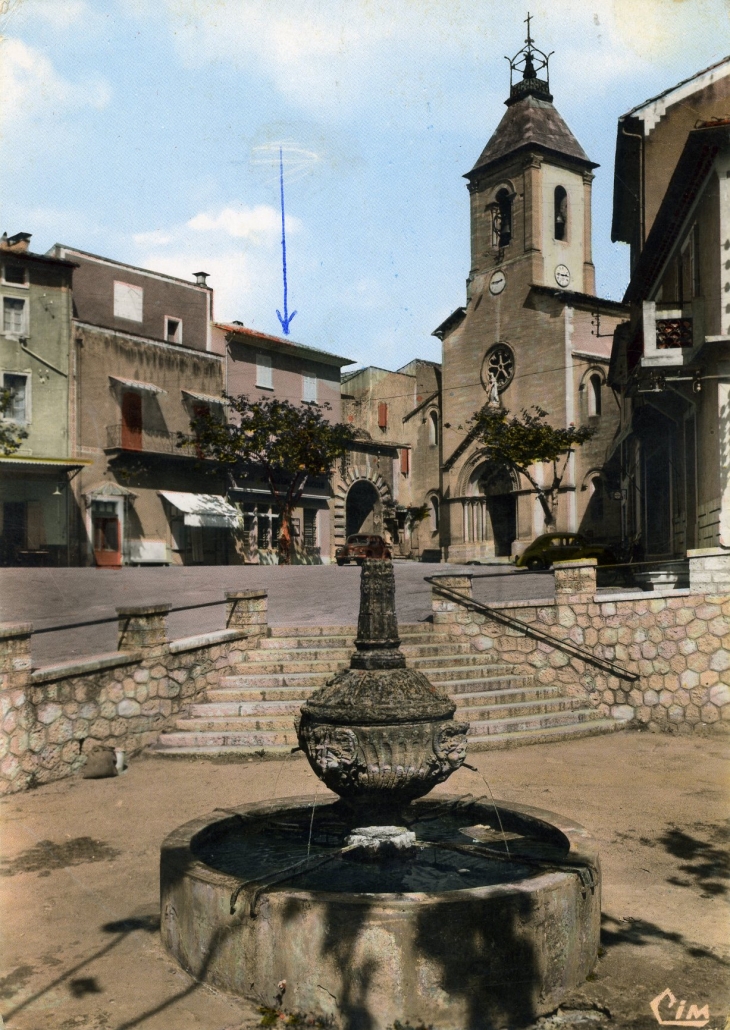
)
(51, 717)
(670, 648)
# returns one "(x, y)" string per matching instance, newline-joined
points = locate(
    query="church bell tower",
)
(531, 190)
(525, 335)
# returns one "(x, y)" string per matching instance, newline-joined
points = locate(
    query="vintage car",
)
(552, 547)
(360, 546)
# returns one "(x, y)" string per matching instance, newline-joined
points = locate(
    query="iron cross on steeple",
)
(529, 37)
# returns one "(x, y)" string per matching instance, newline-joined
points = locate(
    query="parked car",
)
(552, 547)
(360, 546)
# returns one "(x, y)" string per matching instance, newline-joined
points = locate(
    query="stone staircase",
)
(253, 711)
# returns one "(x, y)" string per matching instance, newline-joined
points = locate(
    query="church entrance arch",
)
(363, 509)
(493, 491)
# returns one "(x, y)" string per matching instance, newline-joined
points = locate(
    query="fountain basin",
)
(500, 951)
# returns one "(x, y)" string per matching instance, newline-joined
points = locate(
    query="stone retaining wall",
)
(676, 643)
(123, 699)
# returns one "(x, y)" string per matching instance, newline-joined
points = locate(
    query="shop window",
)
(128, 301)
(560, 205)
(264, 376)
(14, 320)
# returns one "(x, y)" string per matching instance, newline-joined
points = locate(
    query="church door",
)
(503, 513)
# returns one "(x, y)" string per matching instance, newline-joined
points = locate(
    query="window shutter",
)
(382, 415)
(405, 461)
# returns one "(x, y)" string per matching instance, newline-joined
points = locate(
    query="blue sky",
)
(148, 131)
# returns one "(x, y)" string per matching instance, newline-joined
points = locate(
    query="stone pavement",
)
(79, 880)
(322, 595)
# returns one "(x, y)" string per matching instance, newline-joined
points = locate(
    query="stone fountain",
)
(383, 905)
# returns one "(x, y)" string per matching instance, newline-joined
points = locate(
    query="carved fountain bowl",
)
(387, 753)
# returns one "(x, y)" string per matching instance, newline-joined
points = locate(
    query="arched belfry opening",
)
(363, 509)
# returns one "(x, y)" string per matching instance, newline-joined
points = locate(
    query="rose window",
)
(498, 368)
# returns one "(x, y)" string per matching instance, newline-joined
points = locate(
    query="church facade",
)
(532, 332)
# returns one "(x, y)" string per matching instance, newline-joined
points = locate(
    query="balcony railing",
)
(147, 441)
(670, 333)
(673, 332)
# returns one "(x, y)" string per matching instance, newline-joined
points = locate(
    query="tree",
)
(283, 442)
(11, 433)
(515, 444)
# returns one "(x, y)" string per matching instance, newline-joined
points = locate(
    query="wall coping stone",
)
(538, 602)
(100, 661)
(245, 595)
(15, 629)
(144, 609)
(643, 595)
(220, 636)
(576, 563)
(708, 552)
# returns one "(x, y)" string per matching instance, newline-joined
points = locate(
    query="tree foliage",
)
(11, 434)
(518, 443)
(284, 443)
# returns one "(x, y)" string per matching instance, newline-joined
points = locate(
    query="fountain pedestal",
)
(385, 906)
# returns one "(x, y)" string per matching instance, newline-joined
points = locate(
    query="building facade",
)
(390, 481)
(260, 366)
(671, 360)
(36, 507)
(531, 332)
(141, 365)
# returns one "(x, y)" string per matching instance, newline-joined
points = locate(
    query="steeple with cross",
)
(530, 62)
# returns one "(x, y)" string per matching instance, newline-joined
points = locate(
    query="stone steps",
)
(515, 738)
(253, 710)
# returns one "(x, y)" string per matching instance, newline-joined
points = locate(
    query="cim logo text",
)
(683, 1016)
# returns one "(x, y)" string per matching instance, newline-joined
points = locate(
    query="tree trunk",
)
(284, 541)
(547, 509)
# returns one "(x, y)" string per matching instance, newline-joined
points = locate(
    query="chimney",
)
(18, 243)
(200, 278)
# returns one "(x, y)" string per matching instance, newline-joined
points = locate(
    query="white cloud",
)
(332, 57)
(29, 83)
(59, 13)
(235, 244)
(260, 224)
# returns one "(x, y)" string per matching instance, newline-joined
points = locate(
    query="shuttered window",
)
(382, 415)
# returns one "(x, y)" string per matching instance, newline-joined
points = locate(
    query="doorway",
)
(502, 510)
(363, 509)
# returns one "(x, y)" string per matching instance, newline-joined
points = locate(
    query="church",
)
(531, 332)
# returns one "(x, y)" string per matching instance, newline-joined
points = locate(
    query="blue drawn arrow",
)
(286, 319)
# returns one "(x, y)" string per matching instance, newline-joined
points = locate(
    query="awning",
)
(44, 463)
(205, 398)
(135, 384)
(206, 510)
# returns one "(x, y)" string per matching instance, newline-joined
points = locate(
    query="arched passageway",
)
(363, 509)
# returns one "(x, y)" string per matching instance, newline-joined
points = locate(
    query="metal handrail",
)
(115, 618)
(532, 631)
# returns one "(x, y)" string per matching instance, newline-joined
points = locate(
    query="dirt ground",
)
(79, 880)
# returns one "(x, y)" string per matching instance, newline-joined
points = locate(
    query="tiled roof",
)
(531, 123)
(321, 355)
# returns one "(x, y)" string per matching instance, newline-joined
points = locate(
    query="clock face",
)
(497, 283)
(562, 275)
